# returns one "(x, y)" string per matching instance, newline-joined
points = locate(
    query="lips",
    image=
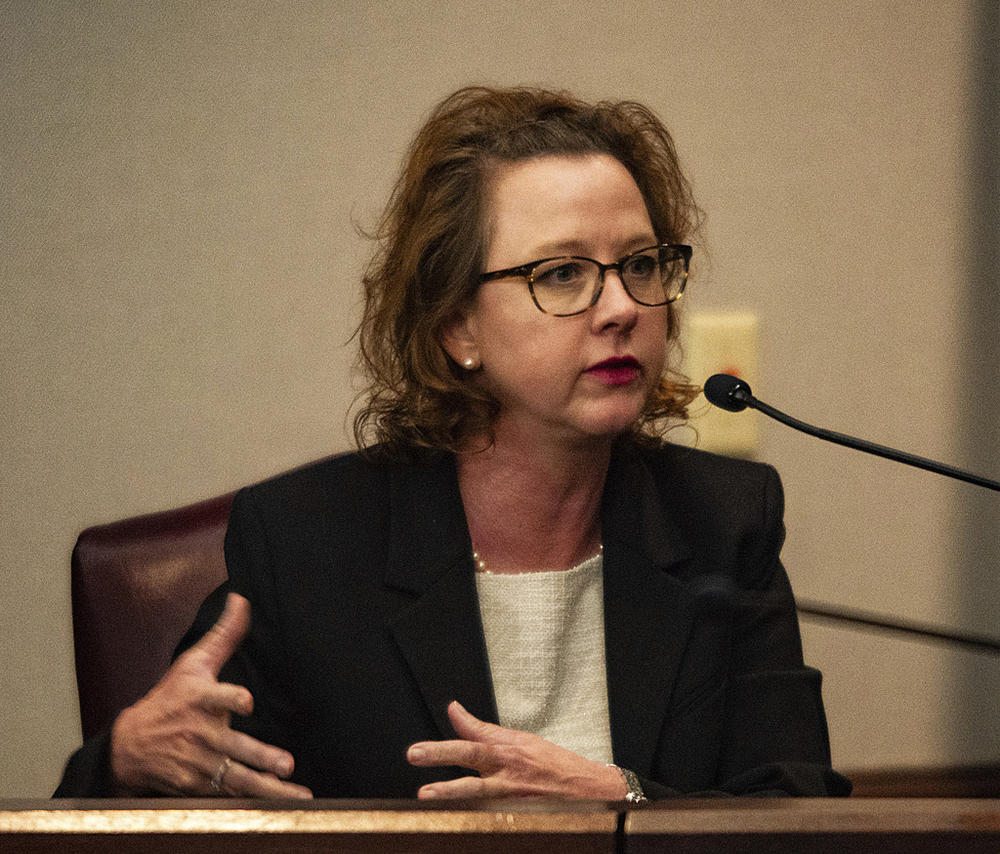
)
(620, 370)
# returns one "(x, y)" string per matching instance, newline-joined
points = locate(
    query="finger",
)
(462, 787)
(465, 754)
(479, 787)
(256, 755)
(219, 643)
(240, 781)
(221, 697)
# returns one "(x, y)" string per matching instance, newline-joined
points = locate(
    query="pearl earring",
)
(469, 363)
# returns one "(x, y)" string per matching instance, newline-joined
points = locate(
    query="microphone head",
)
(728, 392)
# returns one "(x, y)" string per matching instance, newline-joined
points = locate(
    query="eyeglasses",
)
(569, 285)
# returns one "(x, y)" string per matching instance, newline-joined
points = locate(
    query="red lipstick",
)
(620, 370)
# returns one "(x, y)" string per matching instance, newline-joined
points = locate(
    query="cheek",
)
(654, 340)
(533, 362)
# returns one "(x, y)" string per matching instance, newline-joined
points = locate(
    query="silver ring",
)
(220, 775)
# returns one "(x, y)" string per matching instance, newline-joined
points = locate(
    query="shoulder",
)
(330, 473)
(727, 514)
(348, 487)
(349, 469)
(705, 478)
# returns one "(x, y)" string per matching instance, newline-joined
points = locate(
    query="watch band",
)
(635, 794)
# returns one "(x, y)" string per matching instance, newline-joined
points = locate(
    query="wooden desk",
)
(914, 826)
(329, 826)
(817, 826)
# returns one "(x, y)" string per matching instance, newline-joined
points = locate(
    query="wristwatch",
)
(635, 794)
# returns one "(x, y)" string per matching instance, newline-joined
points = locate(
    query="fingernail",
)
(285, 767)
(415, 754)
(428, 793)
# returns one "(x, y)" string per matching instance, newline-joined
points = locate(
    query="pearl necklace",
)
(481, 564)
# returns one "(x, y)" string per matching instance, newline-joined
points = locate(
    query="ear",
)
(458, 339)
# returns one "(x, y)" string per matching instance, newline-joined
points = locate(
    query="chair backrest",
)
(136, 586)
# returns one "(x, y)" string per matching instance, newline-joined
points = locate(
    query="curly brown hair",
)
(433, 236)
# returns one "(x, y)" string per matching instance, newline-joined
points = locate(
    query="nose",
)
(614, 307)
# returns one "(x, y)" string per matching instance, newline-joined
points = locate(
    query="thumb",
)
(219, 643)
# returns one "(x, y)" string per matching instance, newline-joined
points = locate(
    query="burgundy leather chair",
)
(136, 586)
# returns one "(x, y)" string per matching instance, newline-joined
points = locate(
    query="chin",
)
(611, 424)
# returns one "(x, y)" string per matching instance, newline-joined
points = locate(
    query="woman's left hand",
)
(511, 763)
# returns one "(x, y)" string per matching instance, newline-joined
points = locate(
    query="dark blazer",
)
(365, 625)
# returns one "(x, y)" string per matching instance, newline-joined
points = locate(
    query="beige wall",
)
(180, 187)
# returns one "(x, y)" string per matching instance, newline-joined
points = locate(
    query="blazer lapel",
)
(648, 614)
(438, 628)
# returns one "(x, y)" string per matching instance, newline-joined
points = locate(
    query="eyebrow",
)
(578, 247)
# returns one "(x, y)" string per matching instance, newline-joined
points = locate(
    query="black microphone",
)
(734, 395)
(728, 392)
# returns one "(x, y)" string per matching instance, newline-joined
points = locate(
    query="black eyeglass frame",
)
(527, 271)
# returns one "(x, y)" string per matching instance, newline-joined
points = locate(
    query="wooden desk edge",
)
(704, 817)
(316, 817)
(817, 815)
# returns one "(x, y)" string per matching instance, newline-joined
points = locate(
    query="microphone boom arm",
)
(743, 394)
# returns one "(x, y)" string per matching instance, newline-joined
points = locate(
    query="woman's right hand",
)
(178, 740)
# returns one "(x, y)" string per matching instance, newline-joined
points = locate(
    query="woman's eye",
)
(641, 267)
(560, 275)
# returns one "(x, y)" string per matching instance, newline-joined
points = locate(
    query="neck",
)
(532, 508)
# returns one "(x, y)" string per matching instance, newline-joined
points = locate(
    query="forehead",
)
(564, 203)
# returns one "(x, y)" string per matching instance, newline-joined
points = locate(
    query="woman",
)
(516, 588)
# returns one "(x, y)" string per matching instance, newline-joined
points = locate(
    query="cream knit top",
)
(545, 641)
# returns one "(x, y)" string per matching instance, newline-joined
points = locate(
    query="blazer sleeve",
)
(262, 662)
(87, 773)
(776, 737)
(773, 737)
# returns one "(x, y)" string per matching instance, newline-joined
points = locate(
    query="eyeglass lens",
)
(652, 276)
